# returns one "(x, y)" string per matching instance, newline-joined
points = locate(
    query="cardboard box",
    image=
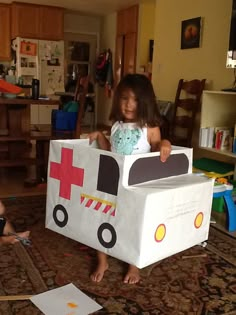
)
(132, 207)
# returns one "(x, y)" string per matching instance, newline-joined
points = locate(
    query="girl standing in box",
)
(136, 129)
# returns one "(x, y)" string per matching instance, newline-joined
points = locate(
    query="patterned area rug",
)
(174, 286)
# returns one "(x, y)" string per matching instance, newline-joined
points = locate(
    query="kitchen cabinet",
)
(24, 20)
(131, 20)
(126, 42)
(36, 21)
(127, 20)
(5, 46)
(41, 114)
(119, 57)
(51, 23)
(130, 49)
(120, 23)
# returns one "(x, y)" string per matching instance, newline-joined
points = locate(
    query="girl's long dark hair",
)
(147, 108)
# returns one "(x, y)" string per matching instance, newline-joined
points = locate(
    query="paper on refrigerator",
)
(134, 207)
(51, 66)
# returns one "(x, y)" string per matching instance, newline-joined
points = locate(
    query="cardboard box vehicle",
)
(132, 207)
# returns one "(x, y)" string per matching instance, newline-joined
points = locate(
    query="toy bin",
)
(218, 204)
(233, 182)
(62, 120)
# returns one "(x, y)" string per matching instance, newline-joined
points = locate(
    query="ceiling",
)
(91, 7)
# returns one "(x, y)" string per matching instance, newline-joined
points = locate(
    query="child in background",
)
(136, 129)
(6, 228)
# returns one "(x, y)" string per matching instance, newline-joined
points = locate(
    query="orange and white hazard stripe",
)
(97, 204)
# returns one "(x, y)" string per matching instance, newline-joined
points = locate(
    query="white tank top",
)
(128, 138)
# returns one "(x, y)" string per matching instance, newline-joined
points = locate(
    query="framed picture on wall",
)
(191, 33)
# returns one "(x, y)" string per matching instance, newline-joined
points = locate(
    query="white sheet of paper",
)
(66, 300)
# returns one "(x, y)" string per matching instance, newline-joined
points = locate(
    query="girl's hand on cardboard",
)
(93, 136)
(165, 150)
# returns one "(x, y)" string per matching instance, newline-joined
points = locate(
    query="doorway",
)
(80, 57)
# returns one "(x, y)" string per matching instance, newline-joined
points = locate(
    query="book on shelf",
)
(225, 140)
(203, 137)
(222, 138)
(234, 140)
(217, 137)
(210, 137)
(206, 138)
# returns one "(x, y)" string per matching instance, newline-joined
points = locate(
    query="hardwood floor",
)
(12, 184)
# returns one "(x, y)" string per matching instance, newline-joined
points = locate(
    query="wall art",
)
(191, 33)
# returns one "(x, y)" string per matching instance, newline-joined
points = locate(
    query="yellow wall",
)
(145, 31)
(170, 63)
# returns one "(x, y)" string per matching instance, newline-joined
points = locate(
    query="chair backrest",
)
(187, 103)
(81, 91)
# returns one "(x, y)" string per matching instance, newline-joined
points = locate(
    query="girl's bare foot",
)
(98, 274)
(102, 266)
(11, 239)
(25, 234)
(132, 275)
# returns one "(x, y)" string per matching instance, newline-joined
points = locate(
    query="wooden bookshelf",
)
(218, 110)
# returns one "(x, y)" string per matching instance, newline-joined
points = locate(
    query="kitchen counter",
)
(28, 101)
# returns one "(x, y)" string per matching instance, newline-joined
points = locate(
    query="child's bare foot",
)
(2, 208)
(132, 275)
(25, 234)
(98, 274)
(11, 239)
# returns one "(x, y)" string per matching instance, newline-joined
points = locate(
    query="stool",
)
(225, 191)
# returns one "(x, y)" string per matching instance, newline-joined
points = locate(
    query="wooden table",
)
(15, 130)
(15, 114)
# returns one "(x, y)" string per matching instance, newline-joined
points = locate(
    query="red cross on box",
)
(66, 173)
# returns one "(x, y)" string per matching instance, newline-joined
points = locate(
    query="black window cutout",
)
(108, 175)
(151, 168)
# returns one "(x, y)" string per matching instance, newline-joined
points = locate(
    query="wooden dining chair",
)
(78, 96)
(43, 139)
(187, 103)
(81, 92)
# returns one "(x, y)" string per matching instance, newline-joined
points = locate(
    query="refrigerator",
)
(42, 60)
